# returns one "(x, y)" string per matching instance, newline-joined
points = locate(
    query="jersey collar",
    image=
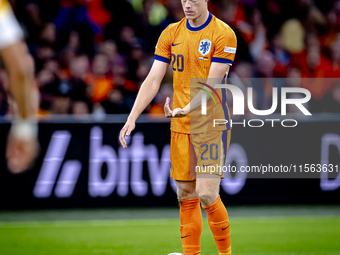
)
(200, 27)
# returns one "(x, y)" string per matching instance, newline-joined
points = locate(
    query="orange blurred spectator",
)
(317, 66)
(98, 12)
(101, 84)
(119, 76)
(335, 65)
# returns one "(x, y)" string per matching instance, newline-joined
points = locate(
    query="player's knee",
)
(186, 192)
(206, 197)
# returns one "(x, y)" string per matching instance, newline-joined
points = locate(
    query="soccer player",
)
(199, 47)
(22, 145)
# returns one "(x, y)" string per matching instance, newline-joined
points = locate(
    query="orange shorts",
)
(192, 154)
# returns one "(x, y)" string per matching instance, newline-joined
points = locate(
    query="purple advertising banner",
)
(81, 164)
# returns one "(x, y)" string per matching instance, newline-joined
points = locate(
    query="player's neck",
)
(199, 21)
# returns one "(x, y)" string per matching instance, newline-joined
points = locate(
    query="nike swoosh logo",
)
(175, 44)
(225, 228)
(206, 165)
(185, 236)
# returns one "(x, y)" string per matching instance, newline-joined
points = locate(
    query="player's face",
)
(194, 8)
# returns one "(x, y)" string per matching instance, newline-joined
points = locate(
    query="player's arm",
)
(145, 95)
(151, 84)
(20, 68)
(22, 146)
(22, 143)
(216, 72)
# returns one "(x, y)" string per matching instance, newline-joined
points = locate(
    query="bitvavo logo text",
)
(239, 102)
(59, 174)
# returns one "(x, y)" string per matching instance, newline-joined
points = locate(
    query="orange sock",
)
(191, 226)
(219, 225)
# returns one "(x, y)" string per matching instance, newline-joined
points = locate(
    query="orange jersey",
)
(191, 50)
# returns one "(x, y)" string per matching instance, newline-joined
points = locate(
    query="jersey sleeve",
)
(225, 48)
(163, 47)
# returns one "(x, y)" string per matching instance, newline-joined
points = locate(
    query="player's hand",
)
(21, 153)
(126, 131)
(178, 113)
(167, 110)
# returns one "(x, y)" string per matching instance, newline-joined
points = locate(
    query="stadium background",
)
(92, 56)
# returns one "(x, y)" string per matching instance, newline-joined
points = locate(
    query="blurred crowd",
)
(91, 56)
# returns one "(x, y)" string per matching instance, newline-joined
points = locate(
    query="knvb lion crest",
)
(204, 47)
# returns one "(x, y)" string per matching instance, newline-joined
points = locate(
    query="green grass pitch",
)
(262, 235)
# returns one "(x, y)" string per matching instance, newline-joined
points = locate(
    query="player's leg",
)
(191, 217)
(190, 209)
(207, 188)
(186, 190)
(22, 144)
(211, 150)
